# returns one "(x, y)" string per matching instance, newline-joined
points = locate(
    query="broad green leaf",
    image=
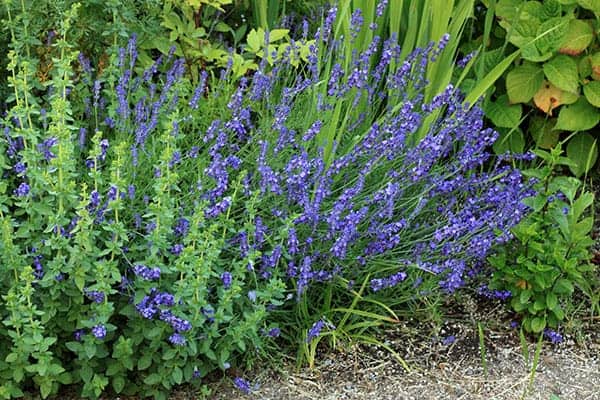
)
(530, 52)
(551, 33)
(593, 5)
(532, 10)
(562, 72)
(538, 324)
(551, 300)
(255, 40)
(508, 9)
(118, 384)
(511, 141)
(551, 9)
(523, 82)
(277, 34)
(591, 91)
(563, 286)
(583, 150)
(579, 36)
(579, 116)
(153, 379)
(543, 133)
(502, 113)
(177, 375)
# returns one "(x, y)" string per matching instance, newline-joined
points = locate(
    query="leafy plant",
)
(552, 80)
(550, 257)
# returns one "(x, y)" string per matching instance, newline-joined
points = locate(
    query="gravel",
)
(447, 365)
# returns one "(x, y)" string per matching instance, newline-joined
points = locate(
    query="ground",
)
(439, 367)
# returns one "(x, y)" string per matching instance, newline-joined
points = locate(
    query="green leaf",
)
(593, 5)
(538, 324)
(508, 9)
(523, 82)
(86, 373)
(118, 384)
(579, 36)
(144, 361)
(502, 113)
(487, 81)
(511, 141)
(177, 375)
(551, 9)
(255, 40)
(543, 133)
(551, 33)
(562, 72)
(277, 34)
(583, 150)
(584, 201)
(579, 116)
(591, 91)
(551, 300)
(153, 379)
(563, 286)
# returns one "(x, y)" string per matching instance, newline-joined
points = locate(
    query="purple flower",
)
(315, 330)
(274, 332)
(45, 147)
(448, 340)
(177, 339)
(22, 190)
(553, 336)
(20, 168)
(243, 385)
(177, 249)
(226, 278)
(146, 273)
(95, 296)
(78, 334)
(99, 331)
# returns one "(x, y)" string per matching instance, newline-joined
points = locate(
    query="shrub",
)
(551, 256)
(150, 228)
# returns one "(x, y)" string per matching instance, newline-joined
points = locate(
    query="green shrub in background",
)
(552, 89)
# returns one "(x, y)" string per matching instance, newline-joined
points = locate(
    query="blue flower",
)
(226, 278)
(99, 331)
(22, 190)
(243, 385)
(177, 339)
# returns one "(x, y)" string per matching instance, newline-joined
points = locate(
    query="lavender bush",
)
(151, 229)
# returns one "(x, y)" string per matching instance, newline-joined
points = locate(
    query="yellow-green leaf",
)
(562, 72)
(592, 93)
(579, 116)
(578, 38)
(523, 82)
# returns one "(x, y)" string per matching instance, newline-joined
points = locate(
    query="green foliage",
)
(192, 28)
(554, 75)
(551, 254)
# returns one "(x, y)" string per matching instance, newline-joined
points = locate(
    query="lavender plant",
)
(152, 235)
